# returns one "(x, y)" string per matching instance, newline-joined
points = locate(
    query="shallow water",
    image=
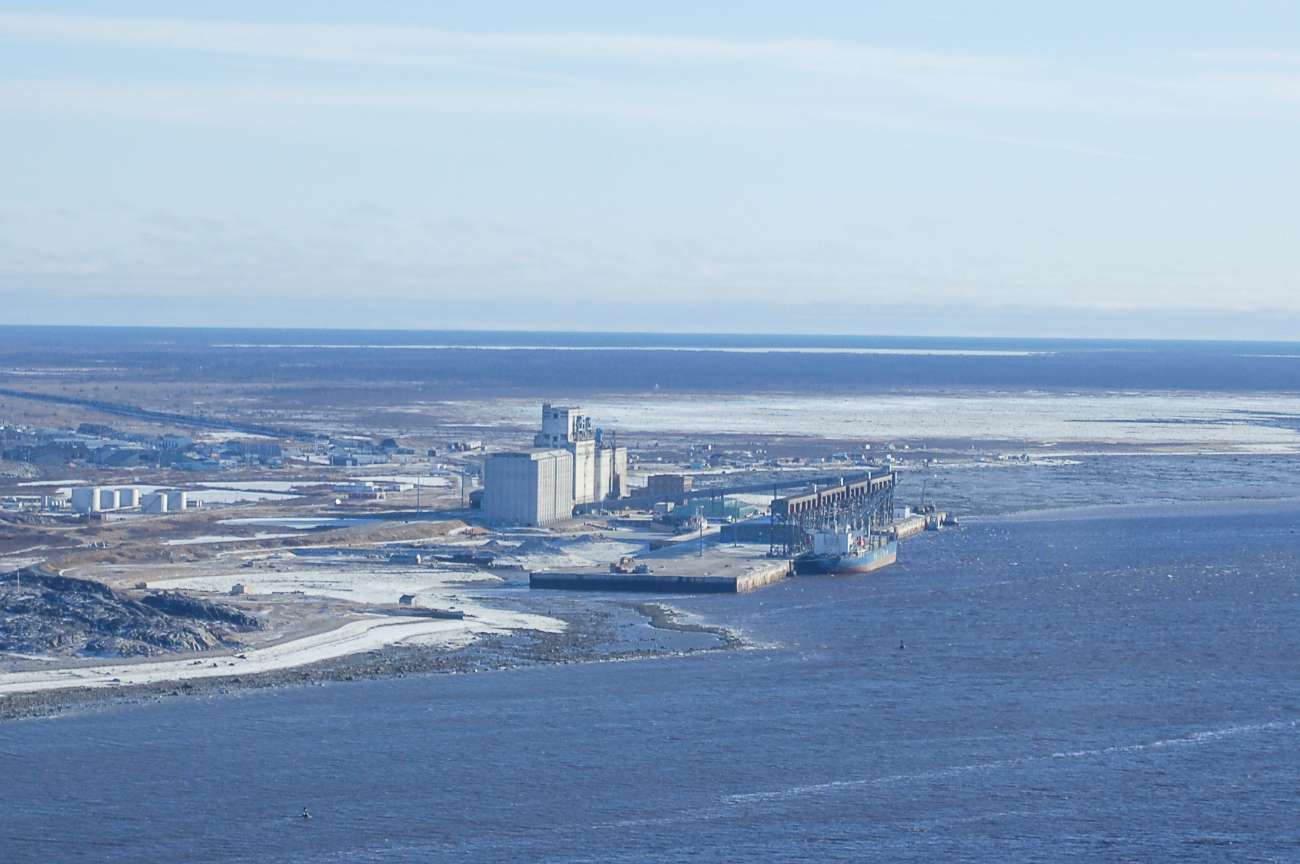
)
(1103, 687)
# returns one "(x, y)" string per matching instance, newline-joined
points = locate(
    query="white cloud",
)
(386, 45)
(596, 73)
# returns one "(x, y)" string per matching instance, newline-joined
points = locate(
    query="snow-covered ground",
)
(226, 538)
(428, 481)
(543, 553)
(362, 582)
(367, 634)
(298, 523)
(261, 485)
(343, 579)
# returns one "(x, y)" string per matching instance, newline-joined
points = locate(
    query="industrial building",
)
(669, 487)
(589, 468)
(531, 487)
(599, 466)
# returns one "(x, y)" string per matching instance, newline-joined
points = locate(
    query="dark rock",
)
(44, 613)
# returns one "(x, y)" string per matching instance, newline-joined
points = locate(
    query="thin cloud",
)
(850, 73)
(386, 45)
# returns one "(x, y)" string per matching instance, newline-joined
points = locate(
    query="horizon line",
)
(626, 332)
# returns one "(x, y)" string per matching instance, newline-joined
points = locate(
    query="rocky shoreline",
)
(591, 635)
(49, 614)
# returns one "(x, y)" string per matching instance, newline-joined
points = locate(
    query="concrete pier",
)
(908, 527)
(719, 570)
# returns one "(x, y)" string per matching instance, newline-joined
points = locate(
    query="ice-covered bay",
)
(1262, 422)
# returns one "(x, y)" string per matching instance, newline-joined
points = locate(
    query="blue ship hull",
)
(826, 565)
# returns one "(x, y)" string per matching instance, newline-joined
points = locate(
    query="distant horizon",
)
(685, 334)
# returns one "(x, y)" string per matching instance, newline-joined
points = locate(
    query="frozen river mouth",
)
(1079, 421)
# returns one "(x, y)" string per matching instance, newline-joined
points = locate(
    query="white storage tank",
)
(128, 496)
(154, 502)
(107, 499)
(85, 499)
(177, 501)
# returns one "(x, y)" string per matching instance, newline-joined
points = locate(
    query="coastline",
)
(590, 635)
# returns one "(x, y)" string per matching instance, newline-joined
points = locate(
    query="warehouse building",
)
(532, 487)
(669, 487)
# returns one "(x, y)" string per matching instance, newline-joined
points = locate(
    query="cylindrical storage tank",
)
(177, 501)
(107, 499)
(85, 499)
(128, 496)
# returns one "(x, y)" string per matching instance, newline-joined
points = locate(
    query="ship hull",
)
(845, 565)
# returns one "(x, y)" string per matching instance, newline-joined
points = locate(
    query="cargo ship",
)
(843, 551)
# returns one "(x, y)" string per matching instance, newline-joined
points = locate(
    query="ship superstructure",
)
(845, 528)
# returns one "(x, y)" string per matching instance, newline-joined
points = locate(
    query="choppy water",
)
(1115, 687)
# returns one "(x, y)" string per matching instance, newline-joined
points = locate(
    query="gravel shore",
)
(608, 632)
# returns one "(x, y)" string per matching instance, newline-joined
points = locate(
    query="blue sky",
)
(945, 168)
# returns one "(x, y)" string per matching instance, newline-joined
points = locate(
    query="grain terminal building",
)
(571, 463)
(531, 487)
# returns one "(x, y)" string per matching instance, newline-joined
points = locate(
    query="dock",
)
(681, 569)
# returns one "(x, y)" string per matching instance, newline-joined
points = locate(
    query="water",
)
(1114, 686)
(467, 362)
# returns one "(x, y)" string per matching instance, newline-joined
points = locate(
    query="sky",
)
(995, 168)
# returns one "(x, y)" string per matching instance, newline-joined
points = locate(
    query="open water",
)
(1119, 685)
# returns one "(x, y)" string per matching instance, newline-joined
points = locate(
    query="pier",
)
(680, 569)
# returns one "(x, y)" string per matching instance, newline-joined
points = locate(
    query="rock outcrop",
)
(42, 613)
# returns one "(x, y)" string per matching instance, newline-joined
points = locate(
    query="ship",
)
(842, 551)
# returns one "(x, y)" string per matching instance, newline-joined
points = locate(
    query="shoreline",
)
(589, 636)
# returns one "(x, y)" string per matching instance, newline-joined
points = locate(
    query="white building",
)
(533, 487)
(611, 473)
(599, 469)
(571, 464)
